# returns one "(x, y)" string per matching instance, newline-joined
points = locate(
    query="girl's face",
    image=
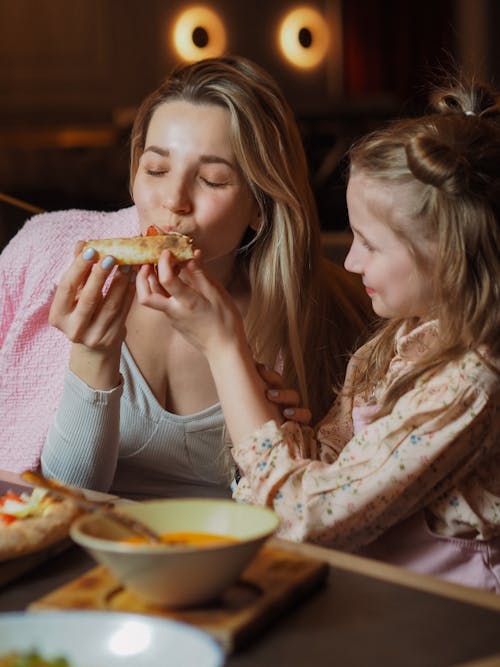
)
(188, 180)
(397, 286)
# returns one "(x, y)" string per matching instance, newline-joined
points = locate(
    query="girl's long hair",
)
(449, 160)
(297, 315)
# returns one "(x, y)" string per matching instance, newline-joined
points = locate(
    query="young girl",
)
(216, 154)
(406, 466)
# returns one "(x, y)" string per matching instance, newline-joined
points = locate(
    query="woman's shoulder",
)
(44, 246)
(79, 224)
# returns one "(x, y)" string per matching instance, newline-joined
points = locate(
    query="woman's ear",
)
(256, 221)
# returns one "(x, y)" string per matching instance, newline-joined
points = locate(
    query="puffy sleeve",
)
(346, 496)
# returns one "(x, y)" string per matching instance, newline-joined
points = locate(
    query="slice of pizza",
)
(30, 522)
(144, 249)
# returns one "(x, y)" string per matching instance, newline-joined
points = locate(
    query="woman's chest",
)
(177, 374)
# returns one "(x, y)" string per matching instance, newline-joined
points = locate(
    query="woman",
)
(216, 154)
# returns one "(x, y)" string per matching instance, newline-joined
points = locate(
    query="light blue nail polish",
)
(273, 393)
(288, 412)
(88, 253)
(108, 262)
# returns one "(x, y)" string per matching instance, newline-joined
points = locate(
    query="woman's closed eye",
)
(156, 172)
(214, 184)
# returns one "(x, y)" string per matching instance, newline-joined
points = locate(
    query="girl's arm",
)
(206, 315)
(392, 468)
(438, 449)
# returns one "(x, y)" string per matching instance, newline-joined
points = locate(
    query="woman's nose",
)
(176, 196)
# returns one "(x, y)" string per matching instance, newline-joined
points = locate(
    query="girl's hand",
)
(207, 317)
(93, 321)
(195, 305)
(288, 398)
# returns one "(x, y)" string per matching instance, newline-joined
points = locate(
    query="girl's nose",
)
(351, 263)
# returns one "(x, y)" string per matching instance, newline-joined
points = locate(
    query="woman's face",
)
(188, 180)
(396, 284)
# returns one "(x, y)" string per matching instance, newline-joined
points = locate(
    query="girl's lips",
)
(369, 291)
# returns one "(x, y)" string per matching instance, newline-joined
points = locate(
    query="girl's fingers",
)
(171, 289)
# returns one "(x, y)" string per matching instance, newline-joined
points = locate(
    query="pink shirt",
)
(438, 449)
(34, 355)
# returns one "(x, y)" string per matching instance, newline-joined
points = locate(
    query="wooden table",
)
(368, 613)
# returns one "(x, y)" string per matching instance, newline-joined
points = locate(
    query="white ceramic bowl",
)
(108, 639)
(178, 576)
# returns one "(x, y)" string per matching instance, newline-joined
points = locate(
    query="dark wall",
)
(72, 74)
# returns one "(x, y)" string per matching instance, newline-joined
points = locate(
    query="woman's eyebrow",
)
(156, 149)
(204, 159)
(215, 159)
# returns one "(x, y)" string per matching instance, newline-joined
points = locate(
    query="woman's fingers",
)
(283, 396)
(271, 377)
(70, 285)
(300, 415)
(80, 307)
(289, 398)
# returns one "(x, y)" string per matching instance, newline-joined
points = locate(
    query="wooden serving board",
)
(274, 581)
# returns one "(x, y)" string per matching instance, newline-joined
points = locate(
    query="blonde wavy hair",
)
(297, 312)
(449, 161)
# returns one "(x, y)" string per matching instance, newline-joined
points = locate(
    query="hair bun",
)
(437, 163)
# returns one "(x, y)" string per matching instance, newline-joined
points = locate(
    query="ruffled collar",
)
(416, 343)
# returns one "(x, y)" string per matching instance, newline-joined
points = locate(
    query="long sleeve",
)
(33, 354)
(439, 436)
(83, 441)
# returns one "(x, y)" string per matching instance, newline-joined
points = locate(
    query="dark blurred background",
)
(72, 73)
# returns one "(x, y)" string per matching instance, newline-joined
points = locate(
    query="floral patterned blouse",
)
(351, 481)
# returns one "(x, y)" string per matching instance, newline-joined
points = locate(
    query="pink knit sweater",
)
(34, 355)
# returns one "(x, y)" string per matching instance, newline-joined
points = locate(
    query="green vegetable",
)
(31, 659)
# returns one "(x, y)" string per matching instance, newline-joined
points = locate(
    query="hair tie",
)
(470, 113)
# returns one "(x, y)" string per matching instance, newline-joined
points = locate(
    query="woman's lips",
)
(369, 291)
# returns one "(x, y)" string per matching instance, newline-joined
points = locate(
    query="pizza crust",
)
(143, 249)
(35, 533)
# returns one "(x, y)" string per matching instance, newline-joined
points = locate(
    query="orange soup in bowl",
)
(188, 539)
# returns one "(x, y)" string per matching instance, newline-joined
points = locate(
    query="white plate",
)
(107, 639)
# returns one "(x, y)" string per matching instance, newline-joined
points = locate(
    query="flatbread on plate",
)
(31, 523)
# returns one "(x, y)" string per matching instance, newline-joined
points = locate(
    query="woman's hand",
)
(289, 398)
(93, 321)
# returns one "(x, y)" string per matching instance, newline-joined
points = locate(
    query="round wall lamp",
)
(199, 33)
(303, 37)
